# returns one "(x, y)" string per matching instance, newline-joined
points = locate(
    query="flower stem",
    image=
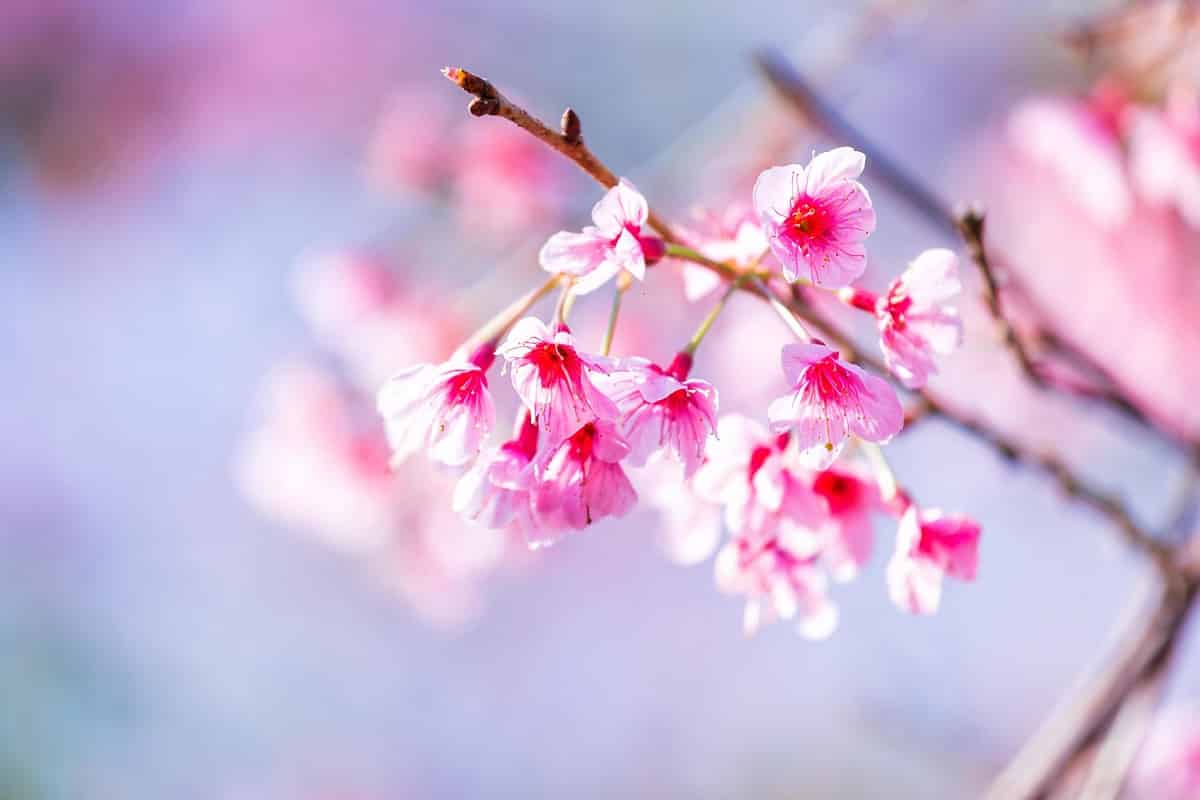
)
(884, 477)
(565, 301)
(613, 314)
(497, 326)
(783, 311)
(696, 257)
(702, 331)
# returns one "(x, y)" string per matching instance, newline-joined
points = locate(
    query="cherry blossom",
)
(845, 530)
(832, 399)
(616, 242)
(581, 480)
(444, 409)
(735, 236)
(745, 471)
(914, 321)
(930, 545)
(817, 218)
(497, 490)
(661, 409)
(554, 380)
(778, 585)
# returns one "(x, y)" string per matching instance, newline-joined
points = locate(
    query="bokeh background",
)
(166, 169)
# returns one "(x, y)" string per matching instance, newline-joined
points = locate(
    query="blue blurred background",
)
(164, 168)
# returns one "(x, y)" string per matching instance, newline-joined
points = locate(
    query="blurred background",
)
(222, 224)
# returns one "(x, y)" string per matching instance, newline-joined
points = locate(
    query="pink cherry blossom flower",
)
(736, 236)
(930, 545)
(1075, 142)
(1168, 764)
(745, 471)
(832, 399)
(581, 480)
(690, 525)
(845, 532)
(444, 409)
(778, 585)
(554, 380)
(497, 490)
(914, 321)
(818, 217)
(615, 243)
(662, 410)
(1164, 153)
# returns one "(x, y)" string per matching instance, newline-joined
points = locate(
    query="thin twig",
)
(568, 140)
(1044, 761)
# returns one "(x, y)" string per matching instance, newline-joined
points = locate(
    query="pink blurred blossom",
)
(735, 236)
(1164, 153)
(817, 218)
(929, 546)
(778, 585)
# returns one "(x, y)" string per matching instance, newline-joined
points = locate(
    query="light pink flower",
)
(930, 545)
(444, 409)
(1164, 153)
(845, 532)
(690, 525)
(1168, 764)
(778, 585)
(818, 217)
(831, 400)
(614, 243)
(745, 471)
(554, 380)
(736, 236)
(581, 480)
(914, 321)
(1079, 145)
(498, 490)
(662, 410)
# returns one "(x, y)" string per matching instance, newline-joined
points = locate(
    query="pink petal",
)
(932, 277)
(914, 586)
(882, 416)
(775, 191)
(832, 167)
(574, 253)
(621, 205)
(796, 358)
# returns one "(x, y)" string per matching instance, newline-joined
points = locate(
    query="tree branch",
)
(568, 140)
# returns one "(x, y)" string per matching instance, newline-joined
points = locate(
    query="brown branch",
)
(489, 101)
(568, 140)
(1042, 764)
(1009, 448)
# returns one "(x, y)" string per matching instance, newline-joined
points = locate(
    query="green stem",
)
(497, 326)
(783, 311)
(707, 324)
(696, 257)
(613, 313)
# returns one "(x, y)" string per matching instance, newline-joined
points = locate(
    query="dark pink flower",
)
(845, 530)
(930, 545)
(615, 243)
(778, 585)
(832, 399)
(554, 380)
(662, 410)
(914, 321)
(581, 480)
(818, 217)
(444, 409)
(498, 490)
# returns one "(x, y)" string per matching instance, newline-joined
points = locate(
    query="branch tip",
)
(572, 128)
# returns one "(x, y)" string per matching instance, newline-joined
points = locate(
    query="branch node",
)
(572, 128)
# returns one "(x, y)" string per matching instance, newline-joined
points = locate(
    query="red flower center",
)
(842, 492)
(554, 363)
(809, 220)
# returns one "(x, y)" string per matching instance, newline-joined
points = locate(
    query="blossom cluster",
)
(796, 497)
